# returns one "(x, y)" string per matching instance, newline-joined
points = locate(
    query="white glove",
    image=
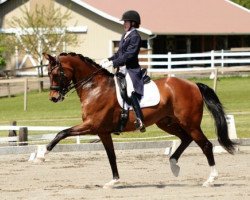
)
(103, 61)
(107, 64)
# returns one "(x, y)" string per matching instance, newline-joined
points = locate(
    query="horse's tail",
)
(215, 107)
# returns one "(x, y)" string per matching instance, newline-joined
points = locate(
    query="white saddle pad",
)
(151, 95)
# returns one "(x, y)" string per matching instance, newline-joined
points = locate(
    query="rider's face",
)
(126, 25)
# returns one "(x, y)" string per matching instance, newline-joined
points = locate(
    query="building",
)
(175, 26)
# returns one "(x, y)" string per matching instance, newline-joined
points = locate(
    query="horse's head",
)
(59, 80)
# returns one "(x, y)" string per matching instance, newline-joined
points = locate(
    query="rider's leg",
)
(135, 103)
(139, 116)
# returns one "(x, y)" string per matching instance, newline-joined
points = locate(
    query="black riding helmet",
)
(131, 15)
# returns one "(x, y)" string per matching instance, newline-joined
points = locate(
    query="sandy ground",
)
(145, 174)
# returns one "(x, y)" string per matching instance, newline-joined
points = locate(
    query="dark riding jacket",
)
(127, 55)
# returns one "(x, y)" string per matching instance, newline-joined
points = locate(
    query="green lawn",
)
(234, 93)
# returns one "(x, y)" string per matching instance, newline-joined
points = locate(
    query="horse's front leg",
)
(73, 131)
(109, 147)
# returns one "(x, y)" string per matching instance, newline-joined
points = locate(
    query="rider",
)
(126, 60)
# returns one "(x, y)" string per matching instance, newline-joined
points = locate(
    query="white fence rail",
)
(210, 58)
(35, 128)
(41, 137)
(35, 139)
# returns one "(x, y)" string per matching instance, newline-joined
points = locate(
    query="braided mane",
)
(86, 59)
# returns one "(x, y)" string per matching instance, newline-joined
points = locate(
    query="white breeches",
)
(130, 87)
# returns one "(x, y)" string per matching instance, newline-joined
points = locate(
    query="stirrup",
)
(139, 125)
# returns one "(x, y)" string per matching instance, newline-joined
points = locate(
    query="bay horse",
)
(179, 111)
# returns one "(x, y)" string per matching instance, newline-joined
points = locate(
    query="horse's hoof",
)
(39, 155)
(39, 160)
(208, 184)
(111, 184)
(32, 157)
(174, 167)
(212, 177)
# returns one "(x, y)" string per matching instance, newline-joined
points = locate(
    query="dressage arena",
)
(145, 174)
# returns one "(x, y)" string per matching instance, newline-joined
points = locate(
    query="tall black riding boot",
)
(139, 116)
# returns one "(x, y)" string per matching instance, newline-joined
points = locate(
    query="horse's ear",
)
(48, 57)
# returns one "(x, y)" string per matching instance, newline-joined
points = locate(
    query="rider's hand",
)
(107, 64)
(103, 61)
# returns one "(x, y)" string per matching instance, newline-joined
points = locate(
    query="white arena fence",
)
(38, 138)
(214, 58)
(45, 138)
(42, 138)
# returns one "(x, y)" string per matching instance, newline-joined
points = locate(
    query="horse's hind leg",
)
(207, 149)
(176, 130)
(109, 147)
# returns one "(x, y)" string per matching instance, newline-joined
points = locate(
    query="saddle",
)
(123, 85)
(121, 82)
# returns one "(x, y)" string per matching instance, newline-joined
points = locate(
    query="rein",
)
(82, 82)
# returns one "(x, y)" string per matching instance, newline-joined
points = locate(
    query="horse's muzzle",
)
(56, 98)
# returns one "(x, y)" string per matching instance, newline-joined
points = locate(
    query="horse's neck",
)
(91, 79)
(87, 77)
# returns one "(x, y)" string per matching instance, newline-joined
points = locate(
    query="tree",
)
(2, 60)
(43, 30)
(6, 49)
(245, 3)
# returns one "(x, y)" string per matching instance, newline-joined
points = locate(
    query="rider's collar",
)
(128, 32)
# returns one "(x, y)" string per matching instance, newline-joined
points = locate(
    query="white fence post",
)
(231, 127)
(222, 57)
(231, 133)
(212, 75)
(212, 58)
(169, 63)
(169, 60)
(78, 140)
(215, 78)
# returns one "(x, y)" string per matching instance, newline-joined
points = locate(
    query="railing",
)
(35, 138)
(211, 59)
(18, 139)
(24, 138)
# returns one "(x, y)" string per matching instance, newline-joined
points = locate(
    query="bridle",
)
(66, 85)
(62, 88)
